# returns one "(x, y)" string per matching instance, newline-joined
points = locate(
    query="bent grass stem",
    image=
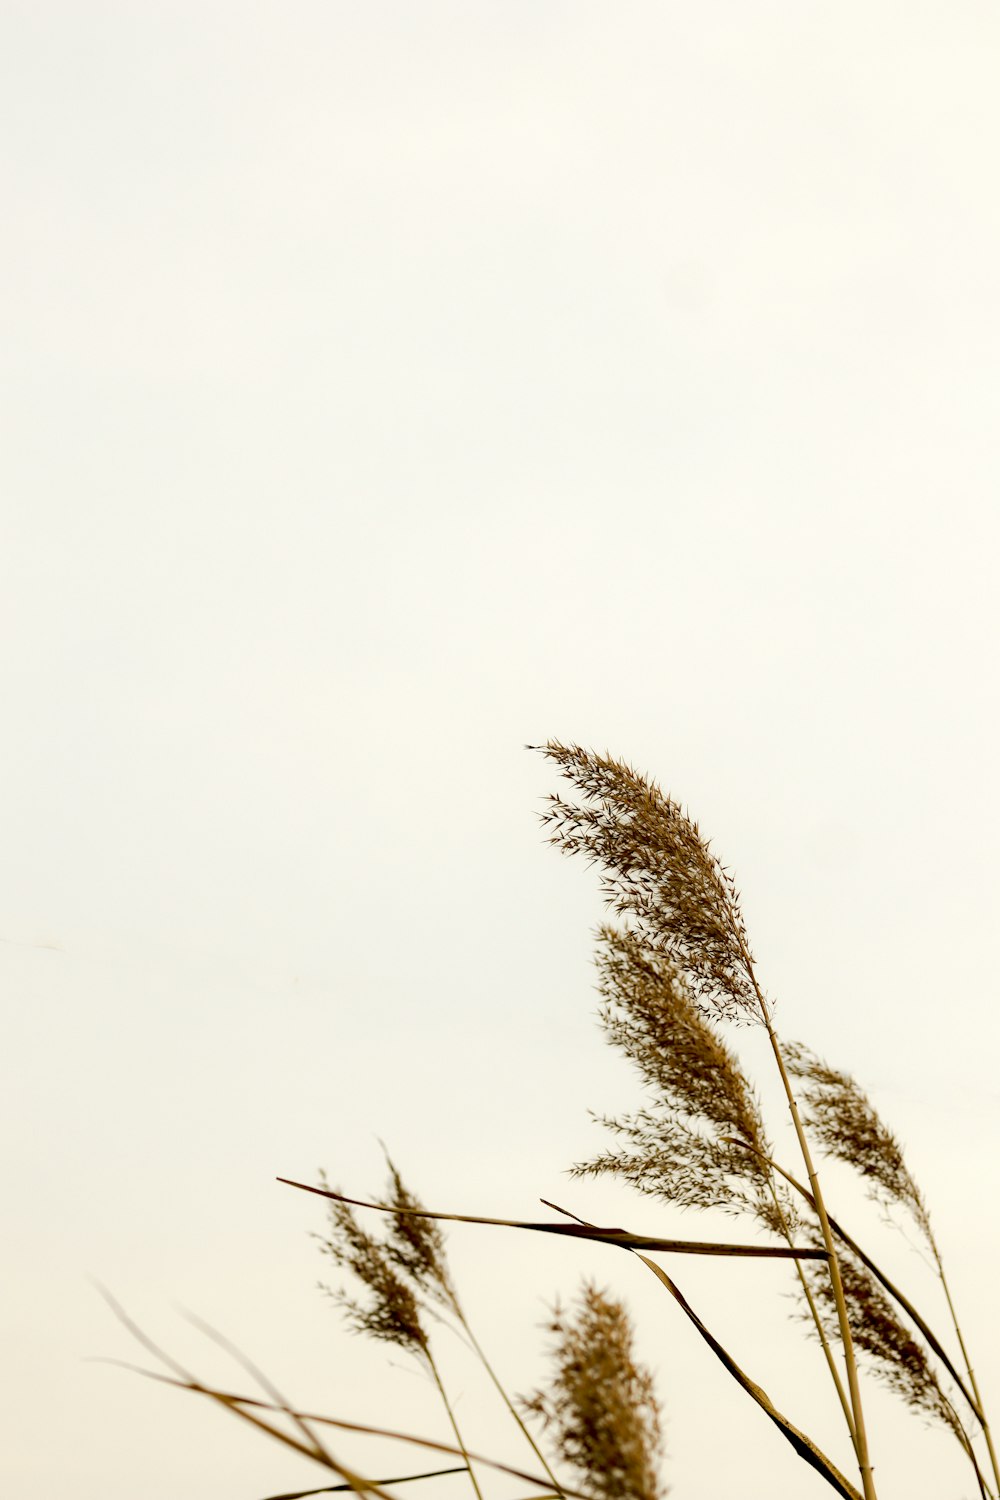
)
(452, 1419)
(860, 1435)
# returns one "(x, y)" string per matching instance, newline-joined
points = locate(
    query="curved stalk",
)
(505, 1398)
(803, 1445)
(853, 1385)
(814, 1311)
(978, 1404)
(452, 1419)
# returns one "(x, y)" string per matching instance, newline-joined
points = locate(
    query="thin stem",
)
(817, 1320)
(451, 1417)
(970, 1453)
(861, 1437)
(980, 1410)
(505, 1398)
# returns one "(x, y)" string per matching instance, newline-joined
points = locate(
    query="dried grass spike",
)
(845, 1122)
(600, 1408)
(392, 1314)
(896, 1356)
(416, 1242)
(684, 1147)
(659, 873)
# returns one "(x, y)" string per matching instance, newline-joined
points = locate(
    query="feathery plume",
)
(416, 1244)
(392, 1313)
(600, 1407)
(659, 872)
(895, 1354)
(682, 1147)
(394, 1270)
(844, 1121)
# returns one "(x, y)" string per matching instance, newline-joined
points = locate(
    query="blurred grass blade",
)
(619, 1237)
(311, 1449)
(236, 1403)
(333, 1489)
(267, 1385)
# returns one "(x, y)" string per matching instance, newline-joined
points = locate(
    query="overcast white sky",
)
(386, 386)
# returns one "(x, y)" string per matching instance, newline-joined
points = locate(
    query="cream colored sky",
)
(386, 386)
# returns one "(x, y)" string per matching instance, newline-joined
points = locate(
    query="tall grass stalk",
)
(859, 1434)
(674, 976)
(978, 1408)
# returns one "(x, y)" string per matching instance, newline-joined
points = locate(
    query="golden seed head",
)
(680, 1147)
(600, 1407)
(844, 1121)
(897, 1358)
(416, 1244)
(659, 872)
(391, 1312)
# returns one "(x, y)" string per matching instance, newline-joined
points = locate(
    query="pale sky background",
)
(389, 385)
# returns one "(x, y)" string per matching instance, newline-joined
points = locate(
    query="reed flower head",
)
(680, 1148)
(659, 872)
(391, 1313)
(895, 1354)
(416, 1244)
(600, 1406)
(844, 1121)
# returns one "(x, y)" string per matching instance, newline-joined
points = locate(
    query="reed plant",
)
(677, 978)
